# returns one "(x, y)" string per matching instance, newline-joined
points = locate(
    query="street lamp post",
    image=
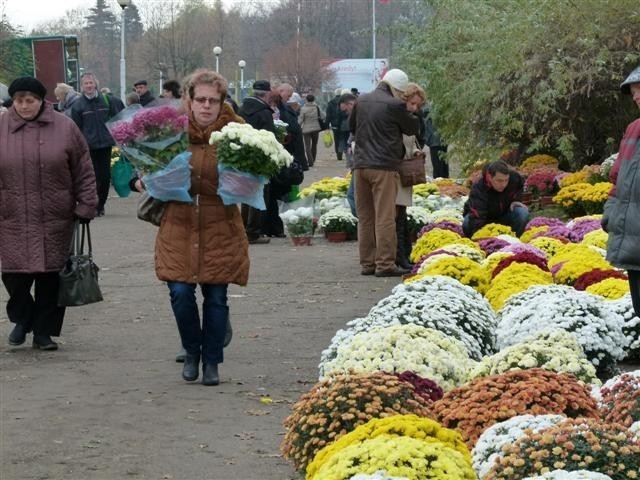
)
(123, 64)
(242, 64)
(217, 51)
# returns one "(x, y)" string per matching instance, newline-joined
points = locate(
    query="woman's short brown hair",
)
(205, 77)
(414, 89)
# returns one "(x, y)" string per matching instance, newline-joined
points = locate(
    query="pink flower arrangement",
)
(443, 224)
(525, 248)
(544, 221)
(491, 245)
(581, 227)
(427, 389)
(541, 182)
(558, 231)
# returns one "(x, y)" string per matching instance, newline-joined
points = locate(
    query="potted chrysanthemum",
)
(338, 224)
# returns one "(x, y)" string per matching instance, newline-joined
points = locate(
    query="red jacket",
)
(628, 145)
(46, 177)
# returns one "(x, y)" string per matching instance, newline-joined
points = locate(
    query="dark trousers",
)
(634, 287)
(336, 146)
(41, 314)
(101, 159)
(272, 222)
(311, 146)
(440, 167)
(204, 340)
(253, 218)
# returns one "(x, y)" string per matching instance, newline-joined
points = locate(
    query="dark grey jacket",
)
(91, 115)
(622, 217)
(378, 121)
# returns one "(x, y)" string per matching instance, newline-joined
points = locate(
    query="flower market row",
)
(483, 364)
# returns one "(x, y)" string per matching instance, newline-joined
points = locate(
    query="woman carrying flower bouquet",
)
(203, 242)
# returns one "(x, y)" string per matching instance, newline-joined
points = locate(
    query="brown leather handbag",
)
(412, 170)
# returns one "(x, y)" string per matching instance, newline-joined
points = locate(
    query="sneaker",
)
(367, 271)
(18, 335)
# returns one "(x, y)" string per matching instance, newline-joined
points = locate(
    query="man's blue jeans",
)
(206, 340)
(517, 219)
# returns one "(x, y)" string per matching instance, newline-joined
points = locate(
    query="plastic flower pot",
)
(337, 237)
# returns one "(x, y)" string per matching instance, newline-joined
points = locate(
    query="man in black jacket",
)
(142, 89)
(256, 112)
(334, 118)
(90, 112)
(495, 198)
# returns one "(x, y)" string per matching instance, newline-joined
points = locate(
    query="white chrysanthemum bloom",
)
(623, 306)
(434, 355)
(574, 475)
(489, 446)
(635, 430)
(337, 216)
(555, 350)
(614, 381)
(509, 238)
(437, 302)
(597, 327)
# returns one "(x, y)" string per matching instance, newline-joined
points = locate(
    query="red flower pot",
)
(337, 237)
(301, 241)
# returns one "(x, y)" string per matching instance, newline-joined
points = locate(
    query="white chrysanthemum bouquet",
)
(247, 158)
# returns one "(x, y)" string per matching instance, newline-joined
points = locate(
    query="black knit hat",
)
(28, 84)
(140, 82)
(263, 85)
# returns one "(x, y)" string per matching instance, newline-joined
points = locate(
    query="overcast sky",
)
(29, 13)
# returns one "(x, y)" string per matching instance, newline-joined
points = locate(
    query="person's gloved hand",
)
(82, 220)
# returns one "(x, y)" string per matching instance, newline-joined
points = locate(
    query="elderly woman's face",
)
(206, 104)
(635, 92)
(27, 105)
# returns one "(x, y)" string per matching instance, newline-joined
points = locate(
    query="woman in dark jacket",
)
(46, 182)
(622, 211)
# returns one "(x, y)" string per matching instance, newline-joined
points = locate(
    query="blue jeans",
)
(516, 219)
(206, 341)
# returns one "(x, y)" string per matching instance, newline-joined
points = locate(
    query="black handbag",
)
(324, 125)
(79, 277)
(150, 209)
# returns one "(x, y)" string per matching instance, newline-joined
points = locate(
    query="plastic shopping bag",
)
(121, 173)
(236, 187)
(327, 138)
(172, 182)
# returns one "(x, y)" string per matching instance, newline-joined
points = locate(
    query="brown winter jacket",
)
(378, 121)
(46, 177)
(203, 242)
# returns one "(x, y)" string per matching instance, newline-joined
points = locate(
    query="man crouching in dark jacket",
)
(495, 198)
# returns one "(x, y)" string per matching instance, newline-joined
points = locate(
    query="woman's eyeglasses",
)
(211, 100)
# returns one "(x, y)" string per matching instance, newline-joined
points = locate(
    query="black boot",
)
(402, 237)
(210, 374)
(228, 335)
(44, 342)
(180, 356)
(18, 335)
(191, 368)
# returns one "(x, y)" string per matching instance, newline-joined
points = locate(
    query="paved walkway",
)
(110, 404)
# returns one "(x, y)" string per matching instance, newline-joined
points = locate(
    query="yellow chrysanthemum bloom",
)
(528, 235)
(548, 245)
(516, 278)
(610, 288)
(463, 269)
(431, 241)
(574, 178)
(540, 161)
(398, 426)
(492, 230)
(425, 189)
(492, 261)
(597, 238)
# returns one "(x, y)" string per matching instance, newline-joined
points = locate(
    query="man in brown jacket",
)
(378, 121)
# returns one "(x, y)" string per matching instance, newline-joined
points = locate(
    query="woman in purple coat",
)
(46, 182)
